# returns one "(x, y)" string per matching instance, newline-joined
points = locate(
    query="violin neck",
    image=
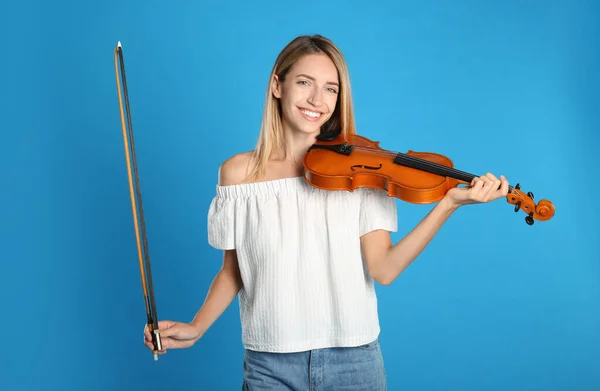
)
(434, 168)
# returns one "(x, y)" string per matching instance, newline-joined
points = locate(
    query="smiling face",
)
(308, 94)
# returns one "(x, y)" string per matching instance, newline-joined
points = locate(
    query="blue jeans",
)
(344, 369)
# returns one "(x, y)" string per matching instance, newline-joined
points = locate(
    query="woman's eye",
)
(303, 82)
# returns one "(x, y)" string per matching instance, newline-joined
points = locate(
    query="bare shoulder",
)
(233, 171)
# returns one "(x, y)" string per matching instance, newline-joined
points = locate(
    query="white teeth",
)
(311, 113)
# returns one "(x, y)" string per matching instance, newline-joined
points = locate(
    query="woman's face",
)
(309, 93)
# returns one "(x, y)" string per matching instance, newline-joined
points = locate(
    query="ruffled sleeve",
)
(222, 221)
(378, 211)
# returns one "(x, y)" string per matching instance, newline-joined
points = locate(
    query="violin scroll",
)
(542, 211)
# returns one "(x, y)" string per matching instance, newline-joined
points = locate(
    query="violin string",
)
(144, 261)
(457, 174)
(445, 170)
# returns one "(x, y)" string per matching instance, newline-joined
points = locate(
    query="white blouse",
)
(305, 283)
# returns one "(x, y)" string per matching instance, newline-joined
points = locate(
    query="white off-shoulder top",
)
(305, 283)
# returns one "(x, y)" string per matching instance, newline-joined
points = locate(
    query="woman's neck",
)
(295, 146)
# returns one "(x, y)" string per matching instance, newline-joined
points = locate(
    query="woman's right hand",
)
(173, 335)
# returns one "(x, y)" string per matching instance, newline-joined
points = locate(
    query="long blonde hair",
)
(271, 131)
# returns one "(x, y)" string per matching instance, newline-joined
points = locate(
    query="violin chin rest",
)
(329, 135)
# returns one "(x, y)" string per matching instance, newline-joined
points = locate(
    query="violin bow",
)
(136, 204)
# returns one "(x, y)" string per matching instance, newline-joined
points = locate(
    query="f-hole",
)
(366, 167)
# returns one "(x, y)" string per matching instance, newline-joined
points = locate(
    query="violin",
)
(338, 162)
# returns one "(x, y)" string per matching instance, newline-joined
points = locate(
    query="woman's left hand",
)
(485, 188)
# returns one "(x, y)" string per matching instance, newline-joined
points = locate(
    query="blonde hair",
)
(271, 131)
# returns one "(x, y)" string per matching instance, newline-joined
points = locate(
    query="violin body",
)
(368, 168)
(347, 162)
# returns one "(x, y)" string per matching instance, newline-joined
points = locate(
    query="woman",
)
(304, 260)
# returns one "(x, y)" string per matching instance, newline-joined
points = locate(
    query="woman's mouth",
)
(310, 115)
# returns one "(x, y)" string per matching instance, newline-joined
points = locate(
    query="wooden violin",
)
(338, 162)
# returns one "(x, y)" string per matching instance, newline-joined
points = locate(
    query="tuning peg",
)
(518, 186)
(517, 206)
(530, 195)
(529, 219)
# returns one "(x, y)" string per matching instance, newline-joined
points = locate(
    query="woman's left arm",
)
(386, 261)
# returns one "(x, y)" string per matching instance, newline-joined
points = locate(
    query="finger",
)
(480, 188)
(486, 180)
(491, 177)
(493, 187)
(148, 335)
(168, 343)
(485, 185)
(161, 325)
(477, 183)
(493, 181)
(172, 331)
(503, 186)
(491, 192)
(500, 188)
(150, 346)
(490, 180)
(498, 184)
(166, 325)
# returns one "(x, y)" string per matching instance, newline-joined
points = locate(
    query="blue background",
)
(492, 304)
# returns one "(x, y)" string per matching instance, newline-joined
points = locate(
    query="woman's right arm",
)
(228, 281)
(224, 288)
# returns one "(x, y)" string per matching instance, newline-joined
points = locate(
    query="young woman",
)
(303, 260)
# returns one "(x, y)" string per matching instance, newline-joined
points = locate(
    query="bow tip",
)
(119, 44)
